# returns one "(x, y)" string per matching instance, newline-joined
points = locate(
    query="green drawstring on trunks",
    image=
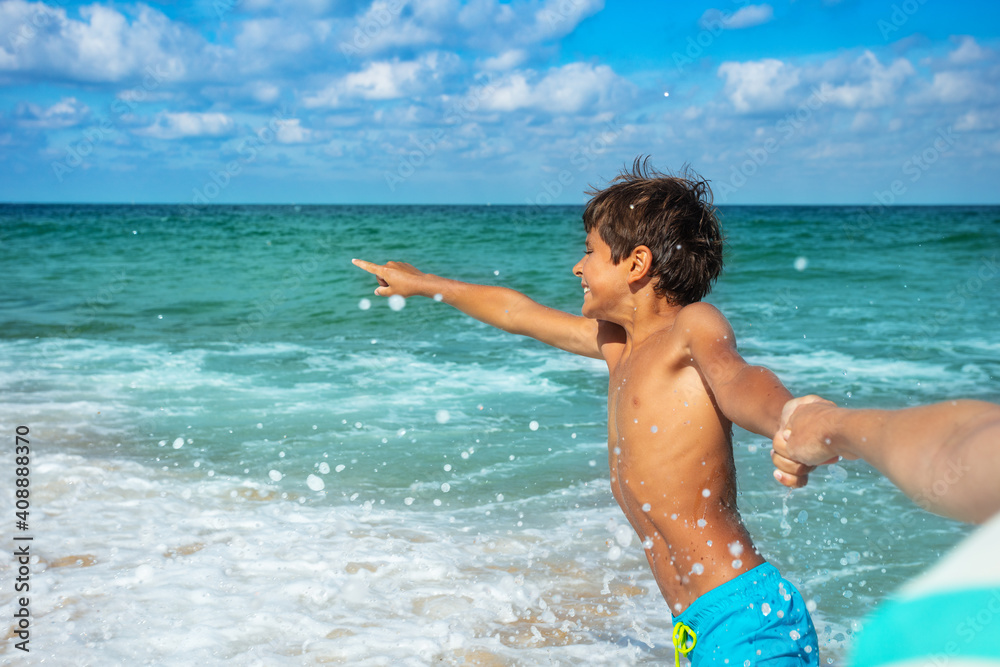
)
(682, 635)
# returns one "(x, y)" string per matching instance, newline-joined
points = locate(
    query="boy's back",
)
(676, 385)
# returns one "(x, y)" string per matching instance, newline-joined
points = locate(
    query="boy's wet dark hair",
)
(673, 216)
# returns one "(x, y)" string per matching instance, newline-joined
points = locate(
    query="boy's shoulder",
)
(700, 319)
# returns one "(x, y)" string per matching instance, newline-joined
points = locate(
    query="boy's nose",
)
(578, 270)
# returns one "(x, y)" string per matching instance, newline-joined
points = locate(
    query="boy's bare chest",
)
(651, 395)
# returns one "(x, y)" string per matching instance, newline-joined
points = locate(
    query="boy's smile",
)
(599, 277)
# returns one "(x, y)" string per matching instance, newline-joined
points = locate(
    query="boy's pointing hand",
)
(396, 278)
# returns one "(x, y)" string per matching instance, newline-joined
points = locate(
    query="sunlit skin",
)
(945, 456)
(676, 385)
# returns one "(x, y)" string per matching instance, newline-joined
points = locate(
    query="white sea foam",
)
(130, 564)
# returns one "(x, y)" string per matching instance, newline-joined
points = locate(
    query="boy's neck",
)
(645, 313)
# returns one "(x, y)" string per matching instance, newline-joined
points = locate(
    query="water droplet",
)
(340, 468)
(442, 416)
(275, 475)
(315, 483)
(697, 568)
(407, 501)
(446, 487)
(178, 443)
(801, 263)
(735, 548)
(765, 609)
(652, 428)
(702, 523)
(737, 564)
(705, 493)
(324, 467)
(397, 302)
(365, 304)
(533, 425)
(646, 507)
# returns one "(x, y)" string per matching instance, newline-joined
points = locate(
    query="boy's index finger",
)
(370, 267)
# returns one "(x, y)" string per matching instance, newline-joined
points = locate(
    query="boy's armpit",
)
(609, 333)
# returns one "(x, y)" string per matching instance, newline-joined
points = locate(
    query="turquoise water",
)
(240, 450)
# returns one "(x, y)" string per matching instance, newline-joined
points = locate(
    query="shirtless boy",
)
(677, 384)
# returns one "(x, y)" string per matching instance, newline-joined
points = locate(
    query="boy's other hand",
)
(396, 278)
(803, 440)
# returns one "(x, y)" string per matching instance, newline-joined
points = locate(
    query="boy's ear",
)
(640, 262)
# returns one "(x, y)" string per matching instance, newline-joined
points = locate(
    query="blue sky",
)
(490, 101)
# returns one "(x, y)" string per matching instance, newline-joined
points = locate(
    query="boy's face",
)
(603, 281)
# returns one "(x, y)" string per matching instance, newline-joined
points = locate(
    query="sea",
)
(237, 454)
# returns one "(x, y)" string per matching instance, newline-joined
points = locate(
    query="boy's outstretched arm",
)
(750, 396)
(501, 307)
(945, 456)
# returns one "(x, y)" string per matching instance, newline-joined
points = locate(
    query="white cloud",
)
(506, 60)
(974, 121)
(573, 88)
(102, 47)
(852, 82)
(744, 17)
(184, 124)
(871, 84)
(67, 112)
(290, 131)
(968, 51)
(955, 87)
(758, 85)
(480, 26)
(385, 80)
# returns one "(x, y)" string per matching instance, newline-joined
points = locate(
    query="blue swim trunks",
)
(756, 619)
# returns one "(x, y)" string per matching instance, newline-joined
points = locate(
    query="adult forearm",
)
(946, 456)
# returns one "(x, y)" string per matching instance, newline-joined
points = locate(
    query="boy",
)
(676, 385)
